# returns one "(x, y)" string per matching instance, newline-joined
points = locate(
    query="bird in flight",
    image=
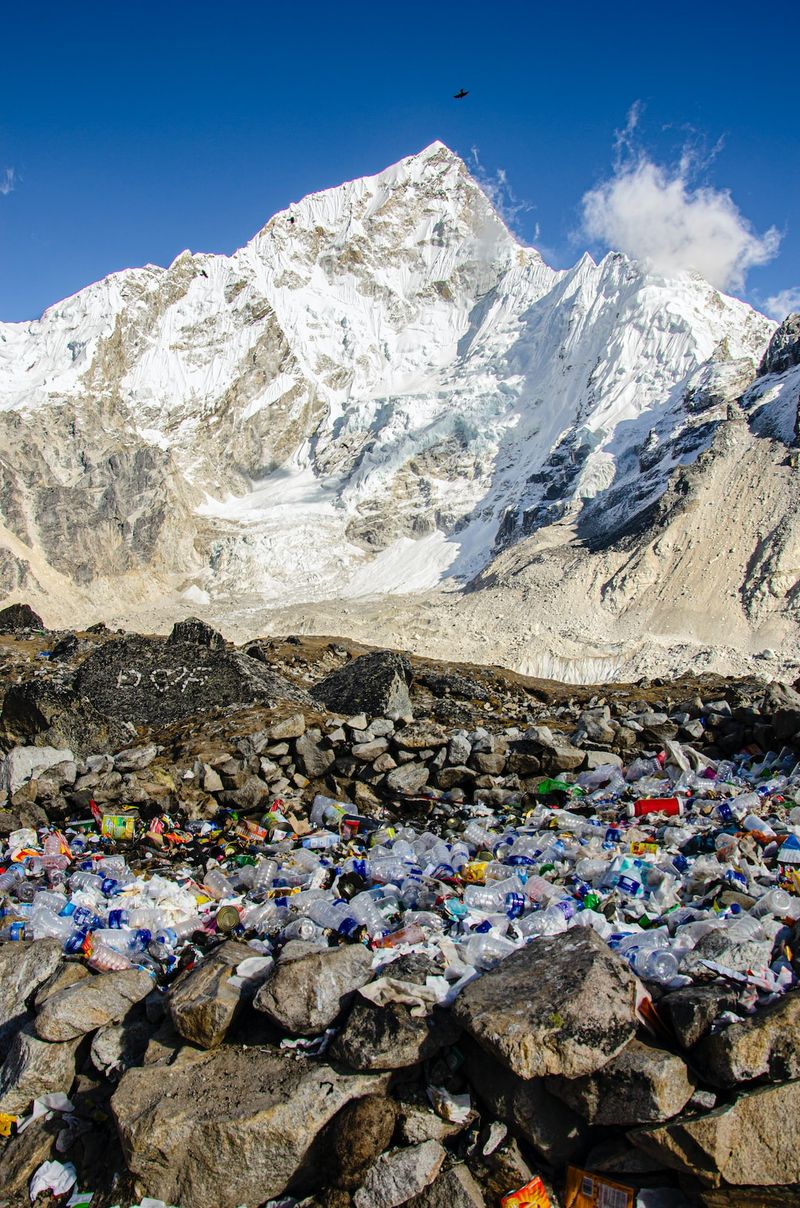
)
(459, 96)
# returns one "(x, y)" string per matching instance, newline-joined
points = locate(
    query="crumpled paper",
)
(57, 1177)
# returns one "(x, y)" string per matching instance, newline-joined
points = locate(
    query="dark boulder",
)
(17, 617)
(375, 684)
(153, 681)
(45, 714)
(195, 632)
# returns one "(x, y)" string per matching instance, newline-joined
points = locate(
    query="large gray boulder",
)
(23, 969)
(753, 1141)
(375, 684)
(399, 1175)
(453, 1188)
(230, 1126)
(202, 1003)
(33, 1068)
(641, 1084)
(563, 1005)
(304, 996)
(91, 1003)
(767, 1045)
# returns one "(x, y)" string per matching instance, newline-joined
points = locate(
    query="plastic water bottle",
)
(303, 929)
(364, 909)
(218, 885)
(9, 879)
(487, 949)
(334, 916)
(88, 881)
(775, 901)
(264, 873)
(123, 939)
(551, 921)
(653, 964)
(107, 960)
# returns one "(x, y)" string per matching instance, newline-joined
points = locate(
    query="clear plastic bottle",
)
(485, 950)
(10, 878)
(218, 885)
(492, 896)
(303, 929)
(775, 901)
(107, 960)
(551, 921)
(88, 881)
(123, 939)
(43, 924)
(335, 916)
(264, 873)
(364, 909)
(653, 964)
(264, 918)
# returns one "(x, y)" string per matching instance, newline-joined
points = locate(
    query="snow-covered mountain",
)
(382, 393)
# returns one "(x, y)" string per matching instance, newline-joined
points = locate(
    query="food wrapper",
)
(532, 1195)
(585, 1190)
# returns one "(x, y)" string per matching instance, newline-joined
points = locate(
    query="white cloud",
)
(785, 302)
(500, 193)
(654, 213)
(7, 181)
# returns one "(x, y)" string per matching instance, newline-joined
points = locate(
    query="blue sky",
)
(131, 131)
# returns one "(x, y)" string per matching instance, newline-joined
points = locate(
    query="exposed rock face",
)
(753, 1141)
(91, 1003)
(204, 1131)
(560, 1006)
(766, 1045)
(399, 1175)
(375, 684)
(361, 1131)
(453, 1188)
(23, 968)
(783, 350)
(641, 1084)
(527, 1107)
(692, 1010)
(34, 1068)
(304, 996)
(22, 763)
(194, 632)
(48, 714)
(17, 617)
(147, 679)
(201, 1002)
(389, 1038)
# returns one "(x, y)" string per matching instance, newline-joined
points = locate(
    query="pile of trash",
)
(380, 944)
(664, 861)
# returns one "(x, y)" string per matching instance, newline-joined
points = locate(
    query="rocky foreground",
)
(419, 978)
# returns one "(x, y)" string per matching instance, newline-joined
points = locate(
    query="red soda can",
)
(655, 805)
